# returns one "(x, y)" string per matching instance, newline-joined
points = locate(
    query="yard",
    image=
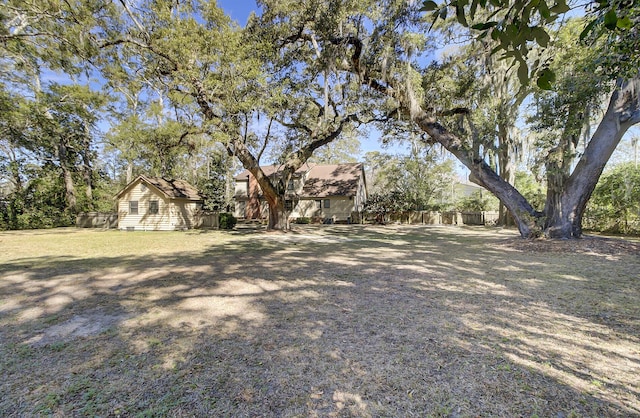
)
(323, 321)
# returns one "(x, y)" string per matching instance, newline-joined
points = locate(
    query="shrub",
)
(615, 204)
(227, 221)
(303, 220)
(477, 203)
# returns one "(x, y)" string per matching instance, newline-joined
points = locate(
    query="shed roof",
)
(172, 188)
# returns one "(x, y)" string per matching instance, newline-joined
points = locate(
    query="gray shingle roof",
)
(172, 188)
(175, 188)
(270, 170)
(322, 180)
(332, 180)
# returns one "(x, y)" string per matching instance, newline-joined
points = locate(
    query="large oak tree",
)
(378, 42)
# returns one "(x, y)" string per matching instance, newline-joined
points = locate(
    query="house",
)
(467, 188)
(320, 192)
(158, 204)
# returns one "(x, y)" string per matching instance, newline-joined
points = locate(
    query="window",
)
(153, 207)
(319, 203)
(327, 203)
(288, 205)
(133, 207)
(290, 185)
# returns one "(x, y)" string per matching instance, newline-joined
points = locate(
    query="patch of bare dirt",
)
(585, 245)
(77, 326)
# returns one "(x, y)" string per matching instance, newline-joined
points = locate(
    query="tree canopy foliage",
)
(48, 143)
(523, 32)
(420, 180)
(615, 205)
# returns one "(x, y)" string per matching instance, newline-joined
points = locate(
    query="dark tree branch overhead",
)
(307, 150)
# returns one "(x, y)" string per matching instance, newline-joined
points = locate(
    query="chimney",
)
(252, 210)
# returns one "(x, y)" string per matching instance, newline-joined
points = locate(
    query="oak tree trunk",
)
(565, 206)
(567, 201)
(70, 190)
(505, 156)
(272, 189)
(278, 219)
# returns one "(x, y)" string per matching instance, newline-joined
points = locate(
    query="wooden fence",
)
(97, 220)
(206, 220)
(441, 218)
(480, 218)
(211, 220)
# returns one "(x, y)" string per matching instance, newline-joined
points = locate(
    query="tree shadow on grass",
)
(346, 322)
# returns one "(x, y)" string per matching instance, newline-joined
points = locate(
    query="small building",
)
(466, 188)
(158, 204)
(319, 192)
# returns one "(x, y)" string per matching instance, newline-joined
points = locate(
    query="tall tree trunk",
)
(67, 177)
(555, 222)
(505, 163)
(87, 171)
(272, 189)
(16, 197)
(14, 169)
(129, 172)
(278, 219)
(70, 190)
(566, 208)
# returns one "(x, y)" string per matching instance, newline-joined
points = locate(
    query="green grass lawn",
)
(323, 321)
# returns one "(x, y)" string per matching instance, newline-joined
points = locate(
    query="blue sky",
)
(239, 10)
